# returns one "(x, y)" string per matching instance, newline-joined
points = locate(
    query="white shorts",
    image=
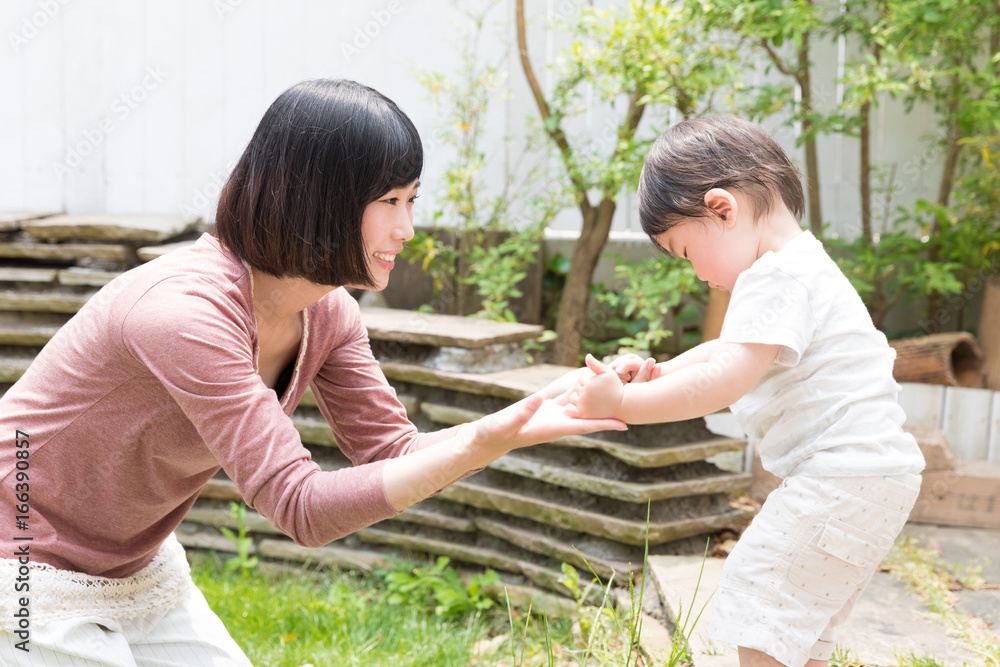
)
(797, 571)
(187, 635)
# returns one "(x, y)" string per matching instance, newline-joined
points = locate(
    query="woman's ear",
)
(722, 202)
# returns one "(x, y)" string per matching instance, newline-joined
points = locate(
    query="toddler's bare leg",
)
(752, 658)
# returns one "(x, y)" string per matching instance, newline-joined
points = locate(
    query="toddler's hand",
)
(633, 368)
(598, 396)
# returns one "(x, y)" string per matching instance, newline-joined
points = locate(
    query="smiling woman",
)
(193, 362)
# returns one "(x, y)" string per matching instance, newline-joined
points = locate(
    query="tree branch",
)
(776, 59)
(555, 132)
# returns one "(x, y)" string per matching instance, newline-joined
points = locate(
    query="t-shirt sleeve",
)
(771, 307)
(196, 342)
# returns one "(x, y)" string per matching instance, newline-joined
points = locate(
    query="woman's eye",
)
(414, 198)
(391, 201)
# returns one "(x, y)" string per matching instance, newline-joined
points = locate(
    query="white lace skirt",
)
(57, 595)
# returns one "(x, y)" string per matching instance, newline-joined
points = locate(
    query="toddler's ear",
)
(723, 203)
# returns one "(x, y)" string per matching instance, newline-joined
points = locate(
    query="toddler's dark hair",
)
(694, 156)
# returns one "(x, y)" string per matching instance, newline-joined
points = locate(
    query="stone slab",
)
(314, 431)
(107, 227)
(10, 221)
(152, 252)
(66, 251)
(641, 457)
(561, 551)
(409, 326)
(512, 384)
(886, 623)
(13, 366)
(14, 274)
(455, 551)
(83, 276)
(573, 518)
(330, 555)
(29, 329)
(622, 490)
(45, 302)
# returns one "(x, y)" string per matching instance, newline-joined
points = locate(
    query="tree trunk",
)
(953, 359)
(715, 313)
(989, 332)
(812, 158)
(571, 326)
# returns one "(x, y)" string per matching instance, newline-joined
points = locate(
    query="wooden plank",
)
(922, 404)
(993, 449)
(968, 496)
(966, 421)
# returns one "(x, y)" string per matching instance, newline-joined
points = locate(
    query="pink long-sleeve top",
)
(151, 388)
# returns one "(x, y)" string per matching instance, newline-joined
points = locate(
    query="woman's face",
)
(386, 226)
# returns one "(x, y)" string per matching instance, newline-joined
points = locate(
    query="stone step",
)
(29, 329)
(13, 364)
(75, 276)
(561, 550)
(53, 301)
(409, 326)
(78, 275)
(10, 221)
(479, 492)
(430, 512)
(16, 274)
(107, 227)
(152, 252)
(67, 251)
(642, 457)
(511, 384)
(633, 492)
(369, 561)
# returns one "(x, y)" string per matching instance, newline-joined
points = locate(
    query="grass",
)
(294, 618)
(934, 582)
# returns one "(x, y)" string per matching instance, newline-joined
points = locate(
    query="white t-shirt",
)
(827, 405)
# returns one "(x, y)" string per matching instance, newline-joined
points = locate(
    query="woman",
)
(195, 361)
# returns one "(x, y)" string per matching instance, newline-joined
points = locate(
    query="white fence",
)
(970, 418)
(141, 106)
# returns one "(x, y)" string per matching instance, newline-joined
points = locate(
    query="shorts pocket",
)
(837, 562)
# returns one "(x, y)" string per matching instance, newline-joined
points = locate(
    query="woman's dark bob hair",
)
(323, 151)
(695, 156)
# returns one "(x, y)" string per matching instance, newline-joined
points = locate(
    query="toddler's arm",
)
(690, 389)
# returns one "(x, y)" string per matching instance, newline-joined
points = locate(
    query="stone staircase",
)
(590, 501)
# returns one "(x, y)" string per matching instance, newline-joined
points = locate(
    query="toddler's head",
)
(695, 156)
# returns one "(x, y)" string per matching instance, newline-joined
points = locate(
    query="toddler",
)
(806, 374)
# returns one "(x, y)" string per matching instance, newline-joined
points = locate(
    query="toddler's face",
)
(719, 252)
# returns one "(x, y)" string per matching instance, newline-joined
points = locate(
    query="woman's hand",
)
(531, 421)
(598, 396)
